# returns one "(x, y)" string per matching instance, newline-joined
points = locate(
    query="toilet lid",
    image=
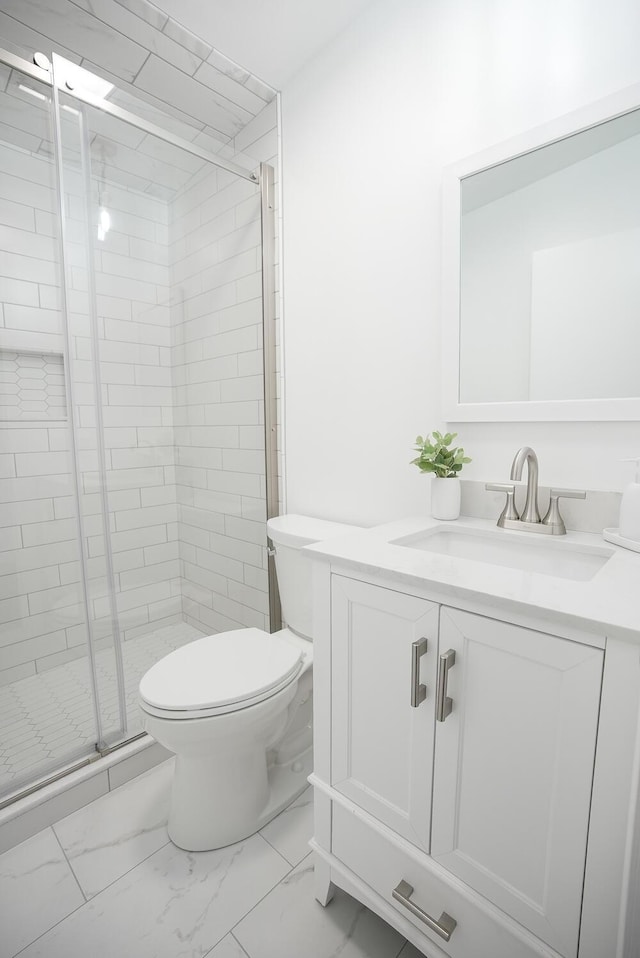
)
(222, 669)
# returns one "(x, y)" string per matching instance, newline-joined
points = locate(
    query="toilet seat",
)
(219, 674)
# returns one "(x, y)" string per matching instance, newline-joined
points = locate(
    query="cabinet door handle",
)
(418, 691)
(444, 704)
(445, 924)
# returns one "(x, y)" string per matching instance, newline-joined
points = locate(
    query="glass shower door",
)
(49, 716)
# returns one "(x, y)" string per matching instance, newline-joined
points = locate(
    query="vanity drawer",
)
(383, 863)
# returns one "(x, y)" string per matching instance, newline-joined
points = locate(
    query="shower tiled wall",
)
(219, 410)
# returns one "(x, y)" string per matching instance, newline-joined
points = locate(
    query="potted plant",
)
(437, 456)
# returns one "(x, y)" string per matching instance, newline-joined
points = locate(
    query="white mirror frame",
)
(541, 411)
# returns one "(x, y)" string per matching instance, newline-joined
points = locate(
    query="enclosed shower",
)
(137, 384)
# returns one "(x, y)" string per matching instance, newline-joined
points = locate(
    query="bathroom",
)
(352, 108)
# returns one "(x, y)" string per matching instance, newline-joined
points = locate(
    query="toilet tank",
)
(289, 534)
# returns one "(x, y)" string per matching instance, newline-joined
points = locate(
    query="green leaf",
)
(434, 454)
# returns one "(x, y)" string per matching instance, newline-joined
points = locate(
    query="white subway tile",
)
(18, 292)
(238, 390)
(143, 518)
(42, 464)
(256, 578)
(251, 437)
(254, 598)
(135, 478)
(8, 676)
(27, 650)
(246, 530)
(7, 466)
(150, 574)
(137, 538)
(158, 495)
(206, 578)
(24, 582)
(40, 533)
(10, 540)
(60, 597)
(242, 484)
(255, 509)
(32, 626)
(232, 413)
(143, 456)
(251, 364)
(13, 608)
(244, 460)
(32, 319)
(161, 553)
(236, 549)
(165, 610)
(199, 457)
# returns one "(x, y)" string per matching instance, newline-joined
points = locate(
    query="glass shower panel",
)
(89, 394)
(130, 178)
(47, 702)
(178, 299)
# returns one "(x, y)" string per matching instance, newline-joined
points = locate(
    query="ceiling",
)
(270, 38)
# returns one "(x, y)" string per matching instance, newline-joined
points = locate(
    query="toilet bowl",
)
(235, 708)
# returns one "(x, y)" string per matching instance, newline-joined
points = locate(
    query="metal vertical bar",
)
(269, 374)
(68, 351)
(100, 439)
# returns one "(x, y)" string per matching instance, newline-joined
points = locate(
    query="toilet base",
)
(195, 826)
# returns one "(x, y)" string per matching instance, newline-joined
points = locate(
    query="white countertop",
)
(608, 603)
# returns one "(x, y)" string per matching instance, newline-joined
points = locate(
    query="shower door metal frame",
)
(264, 180)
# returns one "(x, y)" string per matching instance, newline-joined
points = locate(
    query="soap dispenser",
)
(629, 527)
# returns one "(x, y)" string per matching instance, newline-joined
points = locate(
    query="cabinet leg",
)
(323, 886)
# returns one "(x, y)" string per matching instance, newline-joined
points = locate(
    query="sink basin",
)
(524, 551)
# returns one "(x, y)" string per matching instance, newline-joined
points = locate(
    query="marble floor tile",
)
(175, 904)
(37, 889)
(228, 948)
(290, 831)
(299, 926)
(109, 837)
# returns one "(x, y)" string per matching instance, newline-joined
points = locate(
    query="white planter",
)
(445, 498)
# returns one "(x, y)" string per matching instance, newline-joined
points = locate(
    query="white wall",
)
(368, 126)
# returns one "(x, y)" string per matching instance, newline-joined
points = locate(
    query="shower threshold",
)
(33, 757)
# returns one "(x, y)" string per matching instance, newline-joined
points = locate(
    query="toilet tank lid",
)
(299, 531)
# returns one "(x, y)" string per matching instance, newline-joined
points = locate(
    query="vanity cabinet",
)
(381, 746)
(454, 769)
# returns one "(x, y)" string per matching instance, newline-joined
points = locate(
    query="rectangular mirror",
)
(542, 272)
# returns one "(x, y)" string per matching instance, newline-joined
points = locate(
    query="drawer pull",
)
(445, 924)
(444, 704)
(418, 691)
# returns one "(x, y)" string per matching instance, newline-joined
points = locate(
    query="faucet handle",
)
(553, 517)
(509, 511)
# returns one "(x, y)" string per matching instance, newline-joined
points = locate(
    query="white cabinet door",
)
(514, 767)
(382, 747)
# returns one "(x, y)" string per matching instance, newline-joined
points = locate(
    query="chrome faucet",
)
(526, 454)
(529, 520)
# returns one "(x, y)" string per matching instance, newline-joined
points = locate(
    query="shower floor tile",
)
(47, 720)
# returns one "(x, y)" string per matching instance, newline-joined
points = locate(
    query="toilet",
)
(235, 708)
